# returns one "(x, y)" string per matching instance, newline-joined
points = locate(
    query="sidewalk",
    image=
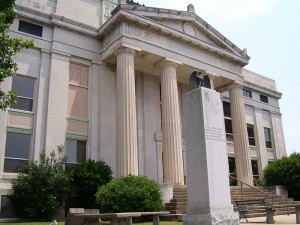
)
(282, 219)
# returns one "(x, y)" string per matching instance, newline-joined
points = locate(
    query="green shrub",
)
(285, 171)
(130, 194)
(85, 179)
(41, 187)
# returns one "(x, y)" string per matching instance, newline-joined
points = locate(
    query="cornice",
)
(55, 20)
(263, 89)
(121, 15)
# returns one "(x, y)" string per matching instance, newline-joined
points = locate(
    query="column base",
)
(212, 219)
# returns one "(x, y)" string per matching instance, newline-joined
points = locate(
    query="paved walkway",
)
(282, 219)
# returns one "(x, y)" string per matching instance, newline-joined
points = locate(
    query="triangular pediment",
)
(190, 26)
(191, 29)
(179, 25)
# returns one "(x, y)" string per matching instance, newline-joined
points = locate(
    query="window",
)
(254, 169)
(228, 122)
(78, 91)
(30, 28)
(17, 151)
(251, 138)
(24, 86)
(268, 141)
(206, 82)
(264, 98)
(75, 151)
(247, 93)
(226, 108)
(228, 130)
(231, 163)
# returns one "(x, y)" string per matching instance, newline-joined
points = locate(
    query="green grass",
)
(62, 223)
(31, 223)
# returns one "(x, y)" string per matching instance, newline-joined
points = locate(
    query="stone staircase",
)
(178, 204)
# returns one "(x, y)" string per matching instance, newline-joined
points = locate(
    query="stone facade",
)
(108, 83)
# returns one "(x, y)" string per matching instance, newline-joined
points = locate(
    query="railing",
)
(265, 193)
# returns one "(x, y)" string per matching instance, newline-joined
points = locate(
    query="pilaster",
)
(240, 136)
(57, 100)
(41, 103)
(262, 151)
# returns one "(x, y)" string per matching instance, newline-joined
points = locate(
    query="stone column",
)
(171, 127)
(240, 136)
(127, 158)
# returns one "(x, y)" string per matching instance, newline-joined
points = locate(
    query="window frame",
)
(251, 137)
(31, 102)
(227, 117)
(264, 98)
(247, 93)
(71, 163)
(268, 138)
(30, 28)
(16, 158)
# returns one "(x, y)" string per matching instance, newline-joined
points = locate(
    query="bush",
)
(41, 187)
(130, 194)
(85, 179)
(285, 171)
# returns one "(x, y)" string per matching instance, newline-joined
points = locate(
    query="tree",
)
(9, 47)
(41, 187)
(285, 171)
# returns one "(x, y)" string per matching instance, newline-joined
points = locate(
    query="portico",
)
(146, 50)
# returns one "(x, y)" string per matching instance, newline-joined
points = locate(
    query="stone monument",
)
(208, 187)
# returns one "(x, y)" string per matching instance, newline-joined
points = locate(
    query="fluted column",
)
(171, 127)
(127, 159)
(240, 135)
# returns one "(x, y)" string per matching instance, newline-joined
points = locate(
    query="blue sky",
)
(270, 30)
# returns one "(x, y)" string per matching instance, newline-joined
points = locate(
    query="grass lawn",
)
(106, 223)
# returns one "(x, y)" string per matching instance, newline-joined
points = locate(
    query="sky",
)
(270, 30)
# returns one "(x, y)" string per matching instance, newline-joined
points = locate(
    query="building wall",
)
(49, 65)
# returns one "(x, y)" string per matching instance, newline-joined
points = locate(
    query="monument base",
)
(212, 219)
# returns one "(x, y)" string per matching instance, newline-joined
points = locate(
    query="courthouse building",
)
(106, 79)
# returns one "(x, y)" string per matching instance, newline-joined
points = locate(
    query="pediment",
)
(182, 26)
(193, 30)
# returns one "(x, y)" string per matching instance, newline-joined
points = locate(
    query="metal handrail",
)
(242, 182)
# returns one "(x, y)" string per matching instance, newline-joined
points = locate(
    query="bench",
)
(244, 210)
(82, 217)
(270, 210)
(72, 220)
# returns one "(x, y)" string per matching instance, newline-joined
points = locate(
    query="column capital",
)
(210, 74)
(126, 48)
(235, 84)
(167, 62)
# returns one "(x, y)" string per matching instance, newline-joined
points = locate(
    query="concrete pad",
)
(282, 219)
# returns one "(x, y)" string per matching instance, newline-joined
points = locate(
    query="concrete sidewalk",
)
(282, 219)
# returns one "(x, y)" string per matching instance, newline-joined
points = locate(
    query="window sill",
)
(20, 111)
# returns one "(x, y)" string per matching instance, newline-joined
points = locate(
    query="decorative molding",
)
(77, 136)
(19, 129)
